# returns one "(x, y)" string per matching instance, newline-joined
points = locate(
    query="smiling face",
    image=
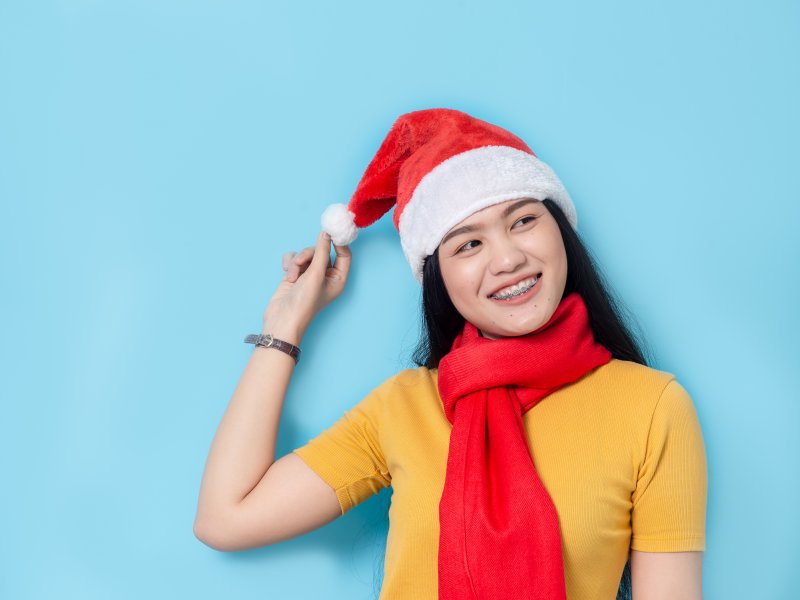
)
(498, 246)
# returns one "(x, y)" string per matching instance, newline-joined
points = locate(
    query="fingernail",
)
(325, 236)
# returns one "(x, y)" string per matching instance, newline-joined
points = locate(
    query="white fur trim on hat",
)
(338, 221)
(466, 183)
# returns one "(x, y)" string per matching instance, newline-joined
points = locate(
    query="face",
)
(498, 246)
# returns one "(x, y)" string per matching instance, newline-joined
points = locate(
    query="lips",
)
(513, 282)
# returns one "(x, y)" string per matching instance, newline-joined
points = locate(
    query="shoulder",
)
(411, 381)
(631, 381)
(653, 401)
(621, 394)
(661, 387)
(409, 389)
(415, 376)
(626, 372)
(410, 377)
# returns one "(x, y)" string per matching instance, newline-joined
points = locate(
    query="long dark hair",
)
(441, 322)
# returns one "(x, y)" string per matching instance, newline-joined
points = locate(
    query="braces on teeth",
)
(515, 293)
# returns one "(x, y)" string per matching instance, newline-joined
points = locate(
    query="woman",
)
(532, 452)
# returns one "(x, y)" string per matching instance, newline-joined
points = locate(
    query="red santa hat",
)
(437, 167)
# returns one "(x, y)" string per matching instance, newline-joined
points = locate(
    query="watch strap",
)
(266, 340)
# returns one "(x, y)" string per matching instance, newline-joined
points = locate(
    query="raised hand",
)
(310, 284)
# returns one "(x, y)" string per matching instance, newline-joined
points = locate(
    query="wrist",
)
(284, 331)
(270, 341)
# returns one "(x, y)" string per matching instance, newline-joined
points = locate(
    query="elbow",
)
(220, 535)
(202, 533)
(210, 536)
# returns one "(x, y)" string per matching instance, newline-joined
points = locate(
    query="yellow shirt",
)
(620, 452)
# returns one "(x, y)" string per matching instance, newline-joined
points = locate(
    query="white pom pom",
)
(338, 222)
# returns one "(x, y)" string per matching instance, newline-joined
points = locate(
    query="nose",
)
(507, 256)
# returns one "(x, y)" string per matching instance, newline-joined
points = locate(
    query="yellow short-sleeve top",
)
(620, 452)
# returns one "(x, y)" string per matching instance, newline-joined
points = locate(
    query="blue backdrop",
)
(158, 157)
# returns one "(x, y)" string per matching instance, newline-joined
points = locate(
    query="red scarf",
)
(499, 531)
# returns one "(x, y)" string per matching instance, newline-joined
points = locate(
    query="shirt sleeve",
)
(669, 501)
(348, 455)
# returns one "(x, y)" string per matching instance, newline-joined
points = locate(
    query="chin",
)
(525, 330)
(504, 333)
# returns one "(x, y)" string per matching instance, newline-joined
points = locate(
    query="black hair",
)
(441, 322)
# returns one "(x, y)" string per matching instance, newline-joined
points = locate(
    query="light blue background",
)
(157, 158)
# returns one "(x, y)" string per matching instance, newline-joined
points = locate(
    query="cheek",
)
(561, 252)
(551, 246)
(461, 282)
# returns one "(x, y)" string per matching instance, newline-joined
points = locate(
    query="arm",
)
(247, 499)
(666, 575)
(669, 503)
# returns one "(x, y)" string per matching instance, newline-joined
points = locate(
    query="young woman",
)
(532, 452)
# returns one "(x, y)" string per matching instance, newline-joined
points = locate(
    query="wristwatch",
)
(267, 341)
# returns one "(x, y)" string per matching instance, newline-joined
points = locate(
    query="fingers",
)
(287, 259)
(318, 258)
(296, 262)
(322, 255)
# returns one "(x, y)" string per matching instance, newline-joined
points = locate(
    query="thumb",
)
(341, 263)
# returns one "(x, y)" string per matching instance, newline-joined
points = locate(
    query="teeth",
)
(516, 290)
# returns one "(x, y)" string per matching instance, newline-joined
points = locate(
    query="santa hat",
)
(437, 167)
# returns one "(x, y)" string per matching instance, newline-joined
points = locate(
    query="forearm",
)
(243, 447)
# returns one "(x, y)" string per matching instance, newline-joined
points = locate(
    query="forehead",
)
(497, 211)
(501, 209)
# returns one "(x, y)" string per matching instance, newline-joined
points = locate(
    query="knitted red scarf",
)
(499, 532)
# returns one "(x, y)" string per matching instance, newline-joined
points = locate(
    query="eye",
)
(531, 217)
(464, 247)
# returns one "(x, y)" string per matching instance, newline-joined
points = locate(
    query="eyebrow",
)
(507, 211)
